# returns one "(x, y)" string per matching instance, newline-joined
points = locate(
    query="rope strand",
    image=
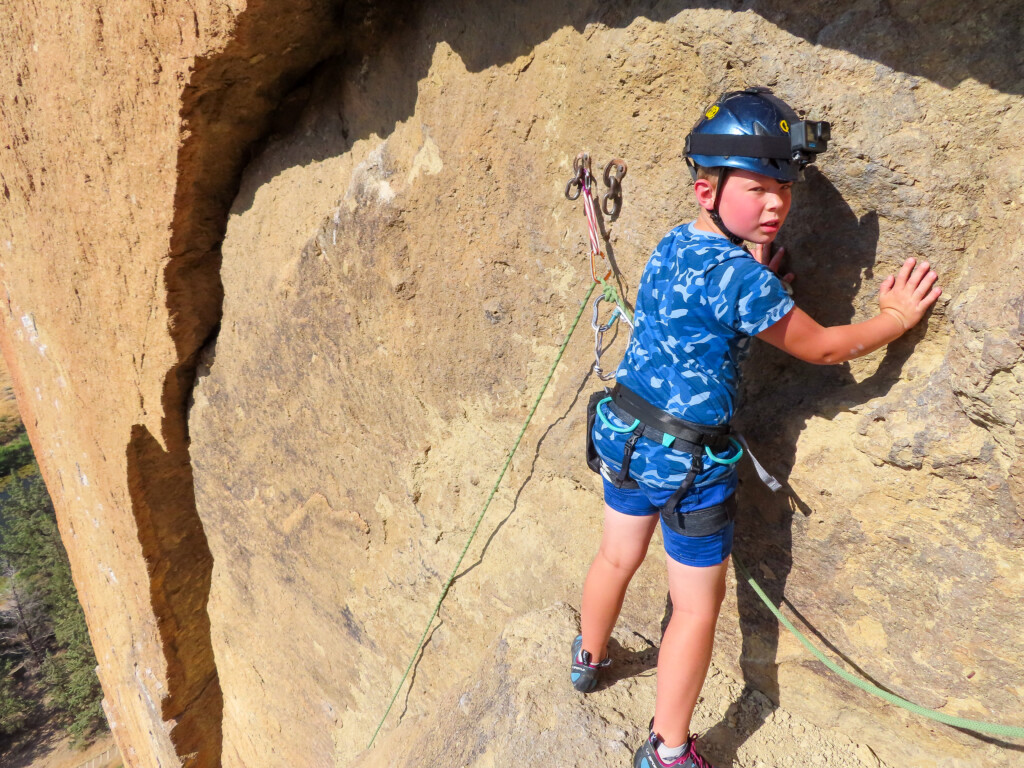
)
(1009, 731)
(487, 504)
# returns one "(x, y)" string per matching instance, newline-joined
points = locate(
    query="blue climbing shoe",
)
(647, 755)
(584, 672)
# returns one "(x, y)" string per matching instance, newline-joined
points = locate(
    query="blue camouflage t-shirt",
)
(699, 301)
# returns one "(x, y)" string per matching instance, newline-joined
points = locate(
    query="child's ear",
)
(705, 193)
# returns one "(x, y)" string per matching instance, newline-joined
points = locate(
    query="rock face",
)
(270, 404)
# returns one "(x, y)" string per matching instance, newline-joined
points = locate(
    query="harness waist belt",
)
(628, 405)
(647, 420)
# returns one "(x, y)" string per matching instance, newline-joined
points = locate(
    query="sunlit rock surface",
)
(282, 284)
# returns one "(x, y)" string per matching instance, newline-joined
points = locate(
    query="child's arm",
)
(903, 299)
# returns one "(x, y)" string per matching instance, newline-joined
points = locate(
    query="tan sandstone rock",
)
(379, 298)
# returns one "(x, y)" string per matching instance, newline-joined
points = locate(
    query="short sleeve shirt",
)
(699, 301)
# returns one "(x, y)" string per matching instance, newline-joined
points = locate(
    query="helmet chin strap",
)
(713, 213)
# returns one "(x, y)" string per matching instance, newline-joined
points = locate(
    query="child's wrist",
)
(898, 316)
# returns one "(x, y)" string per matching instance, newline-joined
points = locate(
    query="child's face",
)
(753, 206)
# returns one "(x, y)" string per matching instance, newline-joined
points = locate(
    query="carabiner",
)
(600, 331)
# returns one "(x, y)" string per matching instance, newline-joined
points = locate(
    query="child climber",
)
(661, 438)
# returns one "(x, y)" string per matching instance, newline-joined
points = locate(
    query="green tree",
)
(14, 708)
(41, 574)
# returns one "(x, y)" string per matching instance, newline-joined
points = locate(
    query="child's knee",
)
(622, 558)
(697, 592)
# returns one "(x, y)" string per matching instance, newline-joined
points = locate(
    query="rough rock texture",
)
(123, 129)
(399, 266)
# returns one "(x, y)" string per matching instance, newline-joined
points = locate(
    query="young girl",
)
(661, 439)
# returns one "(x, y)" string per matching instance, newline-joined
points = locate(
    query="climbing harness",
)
(716, 443)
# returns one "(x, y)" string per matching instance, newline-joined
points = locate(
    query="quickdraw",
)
(583, 182)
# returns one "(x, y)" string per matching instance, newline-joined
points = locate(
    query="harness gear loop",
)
(612, 427)
(732, 459)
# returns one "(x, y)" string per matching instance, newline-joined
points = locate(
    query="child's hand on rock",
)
(909, 294)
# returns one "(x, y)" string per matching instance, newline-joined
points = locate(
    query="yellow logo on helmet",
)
(784, 126)
(711, 112)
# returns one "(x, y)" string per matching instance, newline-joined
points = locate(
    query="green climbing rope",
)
(612, 296)
(480, 517)
(1007, 731)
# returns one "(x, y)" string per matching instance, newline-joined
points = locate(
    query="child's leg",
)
(623, 547)
(697, 594)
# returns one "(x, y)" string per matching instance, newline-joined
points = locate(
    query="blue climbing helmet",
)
(754, 130)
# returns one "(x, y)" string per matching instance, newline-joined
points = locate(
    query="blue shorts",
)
(700, 551)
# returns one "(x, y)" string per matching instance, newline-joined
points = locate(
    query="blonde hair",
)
(709, 174)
